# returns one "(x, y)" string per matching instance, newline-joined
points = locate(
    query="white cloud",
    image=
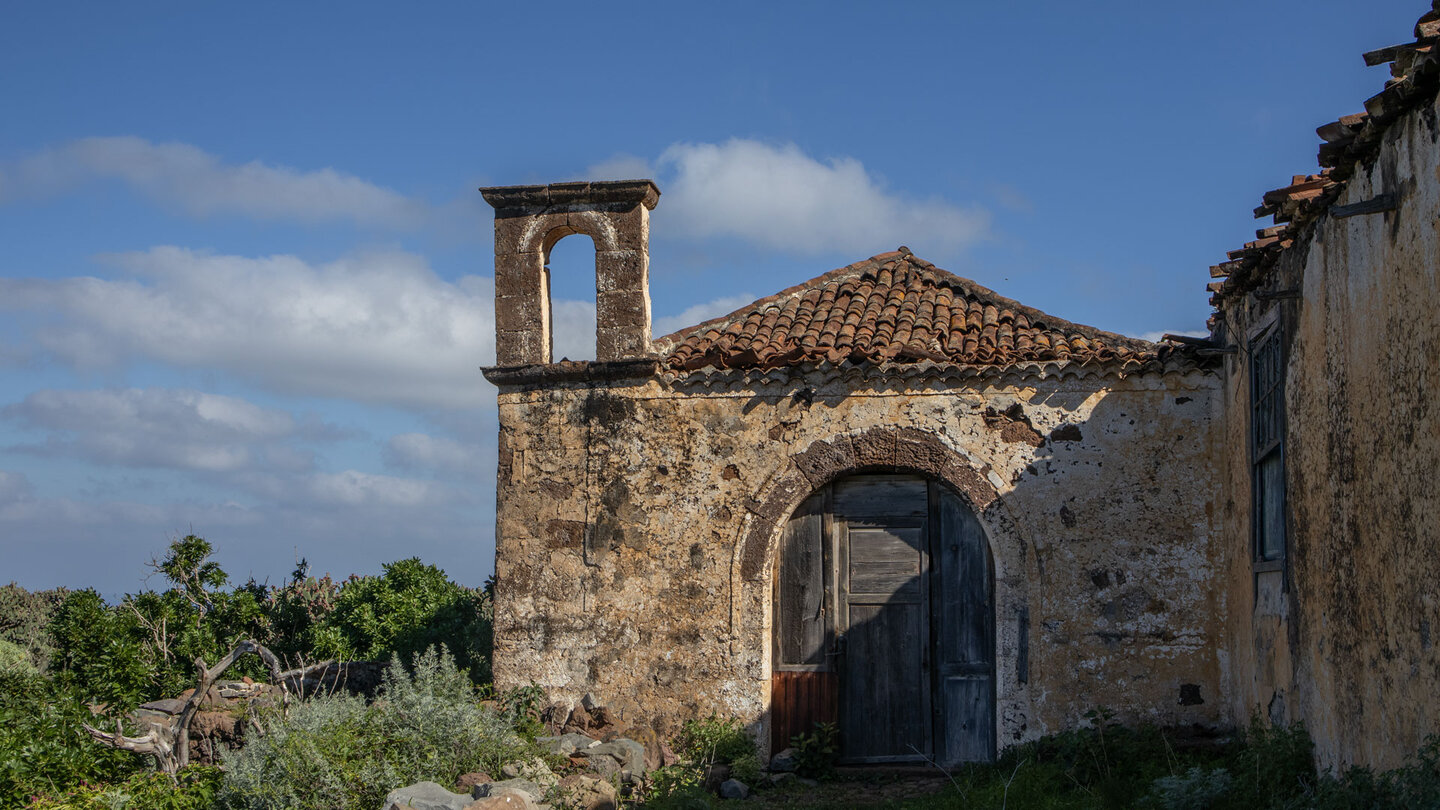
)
(573, 330)
(377, 328)
(352, 488)
(200, 184)
(701, 313)
(423, 451)
(778, 197)
(157, 427)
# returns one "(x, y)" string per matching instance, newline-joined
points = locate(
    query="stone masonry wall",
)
(1350, 646)
(637, 520)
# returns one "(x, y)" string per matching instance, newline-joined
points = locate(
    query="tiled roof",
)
(1353, 139)
(893, 308)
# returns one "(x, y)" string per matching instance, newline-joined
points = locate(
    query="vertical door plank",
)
(964, 637)
(800, 620)
(885, 711)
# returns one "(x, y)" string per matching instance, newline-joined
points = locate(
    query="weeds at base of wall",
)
(1110, 766)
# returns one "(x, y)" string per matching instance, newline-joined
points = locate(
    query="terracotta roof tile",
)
(897, 308)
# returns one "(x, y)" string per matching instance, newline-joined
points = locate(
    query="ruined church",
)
(893, 499)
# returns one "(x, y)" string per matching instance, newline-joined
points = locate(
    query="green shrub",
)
(1272, 765)
(817, 751)
(15, 660)
(150, 790)
(408, 609)
(715, 739)
(43, 749)
(678, 787)
(1416, 784)
(1196, 789)
(337, 752)
(520, 707)
(144, 648)
(25, 619)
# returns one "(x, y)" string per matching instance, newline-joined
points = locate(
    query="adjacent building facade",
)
(893, 499)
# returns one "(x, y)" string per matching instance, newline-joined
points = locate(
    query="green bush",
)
(337, 752)
(144, 648)
(194, 790)
(817, 751)
(25, 619)
(43, 749)
(15, 660)
(1271, 766)
(715, 739)
(409, 608)
(678, 787)
(1196, 789)
(701, 744)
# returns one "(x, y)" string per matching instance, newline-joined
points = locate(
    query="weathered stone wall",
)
(637, 520)
(1349, 647)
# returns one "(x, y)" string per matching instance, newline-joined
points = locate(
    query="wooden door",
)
(879, 524)
(883, 623)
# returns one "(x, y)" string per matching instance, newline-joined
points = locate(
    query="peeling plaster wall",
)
(1350, 646)
(637, 520)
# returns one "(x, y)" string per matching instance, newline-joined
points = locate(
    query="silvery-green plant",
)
(1196, 789)
(338, 752)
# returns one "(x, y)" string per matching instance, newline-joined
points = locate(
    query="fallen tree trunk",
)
(171, 746)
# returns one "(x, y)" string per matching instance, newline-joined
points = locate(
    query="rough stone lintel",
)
(536, 375)
(511, 201)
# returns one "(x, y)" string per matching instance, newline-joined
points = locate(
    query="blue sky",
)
(245, 276)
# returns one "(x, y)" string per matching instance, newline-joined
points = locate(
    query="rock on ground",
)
(567, 744)
(530, 789)
(589, 793)
(533, 771)
(510, 800)
(426, 796)
(614, 757)
(734, 789)
(785, 761)
(467, 782)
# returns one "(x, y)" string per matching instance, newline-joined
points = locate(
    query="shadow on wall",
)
(1113, 564)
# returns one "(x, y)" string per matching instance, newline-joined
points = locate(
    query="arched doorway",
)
(884, 623)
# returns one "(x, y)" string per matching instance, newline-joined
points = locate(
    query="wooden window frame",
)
(1266, 432)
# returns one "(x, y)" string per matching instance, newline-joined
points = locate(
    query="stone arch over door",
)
(892, 450)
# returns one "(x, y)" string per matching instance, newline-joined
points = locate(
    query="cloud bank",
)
(201, 184)
(157, 427)
(374, 328)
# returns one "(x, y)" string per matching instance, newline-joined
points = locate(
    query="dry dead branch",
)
(170, 745)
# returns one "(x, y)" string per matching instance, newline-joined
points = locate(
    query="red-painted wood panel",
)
(799, 700)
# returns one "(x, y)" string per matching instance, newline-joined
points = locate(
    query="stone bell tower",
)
(529, 220)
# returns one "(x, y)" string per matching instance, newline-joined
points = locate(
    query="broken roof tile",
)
(1348, 141)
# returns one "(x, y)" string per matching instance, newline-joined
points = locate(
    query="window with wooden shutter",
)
(1267, 446)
